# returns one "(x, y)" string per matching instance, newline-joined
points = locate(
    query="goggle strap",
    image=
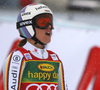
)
(24, 23)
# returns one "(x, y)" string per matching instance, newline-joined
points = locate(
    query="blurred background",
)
(76, 10)
(77, 31)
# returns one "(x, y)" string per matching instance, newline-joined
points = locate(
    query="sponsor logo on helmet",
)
(26, 13)
(40, 7)
(47, 10)
(24, 23)
(46, 67)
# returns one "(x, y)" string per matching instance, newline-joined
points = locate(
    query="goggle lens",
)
(44, 21)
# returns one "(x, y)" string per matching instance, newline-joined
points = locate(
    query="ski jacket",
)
(31, 68)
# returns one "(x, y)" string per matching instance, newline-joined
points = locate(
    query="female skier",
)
(31, 66)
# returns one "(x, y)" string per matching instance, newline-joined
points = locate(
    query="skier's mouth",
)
(47, 33)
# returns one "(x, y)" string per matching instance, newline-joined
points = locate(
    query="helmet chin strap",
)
(37, 41)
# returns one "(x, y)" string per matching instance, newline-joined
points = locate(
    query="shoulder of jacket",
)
(16, 52)
(51, 52)
(14, 55)
(20, 50)
(53, 55)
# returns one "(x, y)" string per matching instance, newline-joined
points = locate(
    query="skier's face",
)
(44, 35)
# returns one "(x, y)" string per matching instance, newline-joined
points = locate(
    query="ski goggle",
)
(41, 22)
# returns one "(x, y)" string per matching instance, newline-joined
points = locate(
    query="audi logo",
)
(40, 86)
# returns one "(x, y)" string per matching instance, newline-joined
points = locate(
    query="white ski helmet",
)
(24, 20)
